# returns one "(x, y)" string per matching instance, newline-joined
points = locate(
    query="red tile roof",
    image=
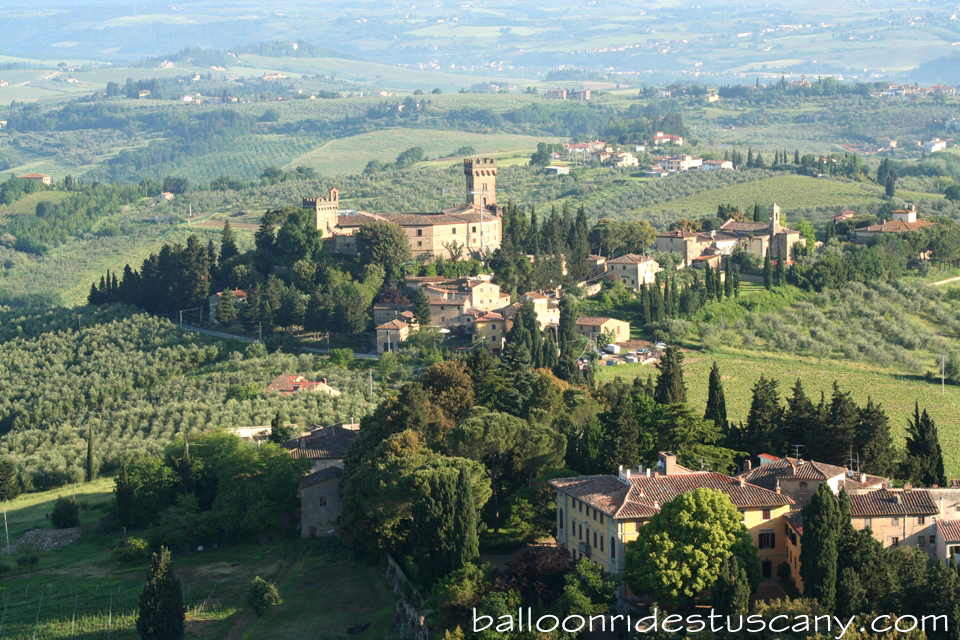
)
(293, 383)
(949, 530)
(630, 258)
(895, 226)
(328, 443)
(593, 321)
(886, 502)
(645, 495)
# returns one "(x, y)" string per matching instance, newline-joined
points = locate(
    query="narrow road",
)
(230, 336)
(939, 282)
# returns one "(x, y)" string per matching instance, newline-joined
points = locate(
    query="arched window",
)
(803, 486)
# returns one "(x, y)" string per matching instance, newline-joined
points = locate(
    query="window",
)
(766, 514)
(454, 232)
(804, 486)
(768, 540)
(419, 244)
(601, 543)
(601, 518)
(561, 518)
(921, 541)
(895, 521)
(494, 327)
(594, 514)
(594, 538)
(581, 531)
(613, 547)
(766, 568)
(580, 506)
(474, 229)
(322, 501)
(573, 525)
(921, 520)
(894, 541)
(419, 232)
(933, 540)
(868, 523)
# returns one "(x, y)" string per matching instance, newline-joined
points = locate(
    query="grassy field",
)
(740, 369)
(790, 191)
(350, 155)
(81, 591)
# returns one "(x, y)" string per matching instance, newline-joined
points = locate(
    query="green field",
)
(740, 369)
(81, 591)
(790, 191)
(28, 204)
(350, 155)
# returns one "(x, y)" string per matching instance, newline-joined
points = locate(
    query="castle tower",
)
(481, 176)
(327, 210)
(775, 227)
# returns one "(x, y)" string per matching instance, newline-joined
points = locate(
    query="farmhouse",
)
(391, 334)
(289, 384)
(713, 165)
(593, 326)
(474, 227)
(320, 503)
(239, 297)
(903, 220)
(661, 138)
(935, 145)
(633, 270)
(324, 447)
(675, 164)
(42, 178)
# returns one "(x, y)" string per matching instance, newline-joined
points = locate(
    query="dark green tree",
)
(670, 385)
(731, 591)
(841, 427)
(384, 243)
(228, 247)
(767, 271)
(466, 547)
(280, 431)
(923, 464)
(818, 555)
(226, 309)
(851, 596)
(801, 423)
(9, 484)
(764, 422)
(873, 441)
(432, 535)
(716, 402)
(91, 465)
(162, 611)
(421, 308)
(125, 496)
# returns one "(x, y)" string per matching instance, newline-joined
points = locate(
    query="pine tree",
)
(125, 497)
(162, 611)
(749, 157)
(731, 591)
(716, 402)
(670, 388)
(890, 187)
(924, 459)
(801, 424)
(796, 156)
(9, 484)
(466, 546)
(873, 441)
(228, 247)
(764, 422)
(841, 427)
(818, 555)
(622, 434)
(226, 309)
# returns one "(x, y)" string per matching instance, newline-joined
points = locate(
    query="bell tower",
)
(481, 174)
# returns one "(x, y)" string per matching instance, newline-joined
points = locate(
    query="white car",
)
(661, 345)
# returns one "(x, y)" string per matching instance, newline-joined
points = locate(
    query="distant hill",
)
(945, 70)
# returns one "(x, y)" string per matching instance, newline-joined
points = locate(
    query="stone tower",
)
(774, 220)
(327, 210)
(481, 176)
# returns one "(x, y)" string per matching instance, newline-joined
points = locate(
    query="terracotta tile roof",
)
(646, 494)
(33, 176)
(490, 316)
(677, 233)
(895, 226)
(733, 225)
(795, 518)
(886, 502)
(630, 258)
(328, 443)
(427, 279)
(394, 325)
(293, 383)
(767, 475)
(949, 530)
(317, 477)
(593, 321)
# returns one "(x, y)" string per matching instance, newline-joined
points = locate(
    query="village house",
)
(713, 165)
(558, 170)
(320, 503)
(593, 326)
(618, 159)
(42, 178)
(392, 334)
(144, 93)
(555, 94)
(948, 541)
(585, 147)
(289, 384)
(597, 516)
(935, 145)
(239, 298)
(473, 228)
(901, 517)
(655, 171)
(903, 220)
(490, 329)
(675, 164)
(323, 447)
(661, 138)
(633, 270)
(800, 479)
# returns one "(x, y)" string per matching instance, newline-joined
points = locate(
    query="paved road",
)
(230, 336)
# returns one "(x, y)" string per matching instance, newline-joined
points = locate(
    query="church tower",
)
(775, 227)
(481, 176)
(327, 210)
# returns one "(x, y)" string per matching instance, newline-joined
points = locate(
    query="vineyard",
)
(28, 204)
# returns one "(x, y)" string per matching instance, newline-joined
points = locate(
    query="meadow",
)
(81, 591)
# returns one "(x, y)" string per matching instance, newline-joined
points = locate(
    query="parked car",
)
(661, 345)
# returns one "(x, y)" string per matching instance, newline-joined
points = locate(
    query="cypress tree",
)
(851, 596)
(421, 308)
(796, 156)
(228, 246)
(924, 458)
(432, 528)
(728, 280)
(731, 591)
(622, 434)
(466, 546)
(873, 441)
(567, 325)
(125, 497)
(716, 403)
(818, 555)
(9, 485)
(779, 277)
(801, 424)
(162, 611)
(91, 466)
(841, 427)
(670, 388)
(767, 271)
(764, 422)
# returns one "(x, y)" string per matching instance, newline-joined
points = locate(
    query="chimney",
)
(648, 473)
(743, 481)
(747, 465)
(668, 462)
(656, 505)
(907, 487)
(778, 485)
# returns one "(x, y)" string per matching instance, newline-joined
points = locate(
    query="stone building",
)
(474, 228)
(633, 270)
(320, 503)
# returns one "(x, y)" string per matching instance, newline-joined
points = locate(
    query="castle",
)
(476, 226)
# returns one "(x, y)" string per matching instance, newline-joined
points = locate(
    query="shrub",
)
(66, 513)
(28, 561)
(341, 357)
(133, 551)
(262, 595)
